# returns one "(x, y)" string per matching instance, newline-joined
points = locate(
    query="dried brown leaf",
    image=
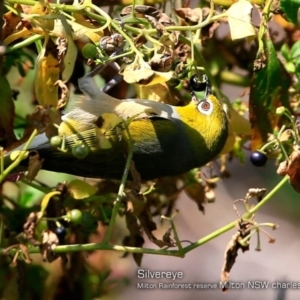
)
(208, 32)
(231, 254)
(182, 52)
(167, 238)
(292, 168)
(49, 243)
(34, 165)
(189, 14)
(195, 192)
(11, 22)
(135, 239)
(258, 193)
(136, 186)
(162, 59)
(231, 251)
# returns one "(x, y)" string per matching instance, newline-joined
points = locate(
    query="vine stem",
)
(117, 202)
(22, 155)
(263, 27)
(180, 253)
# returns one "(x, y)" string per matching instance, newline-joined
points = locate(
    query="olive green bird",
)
(168, 140)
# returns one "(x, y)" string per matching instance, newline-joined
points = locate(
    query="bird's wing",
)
(95, 103)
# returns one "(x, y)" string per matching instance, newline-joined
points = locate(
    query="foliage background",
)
(275, 262)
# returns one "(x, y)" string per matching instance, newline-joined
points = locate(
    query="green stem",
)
(105, 246)
(199, 57)
(245, 216)
(263, 27)
(121, 188)
(176, 237)
(198, 26)
(234, 79)
(267, 197)
(24, 43)
(21, 156)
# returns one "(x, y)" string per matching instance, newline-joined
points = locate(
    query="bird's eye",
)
(205, 107)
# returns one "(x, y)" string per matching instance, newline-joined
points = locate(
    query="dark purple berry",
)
(196, 84)
(60, 232)
(258, 158)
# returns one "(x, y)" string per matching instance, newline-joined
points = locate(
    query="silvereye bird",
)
(168, 140)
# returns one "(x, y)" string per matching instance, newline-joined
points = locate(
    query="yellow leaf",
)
(159, 77)
(23, 33)
(240, 125)
(81, 189)
(42, 8)
(90, 29)
(47, 73)
(46, 200)
(239, 20)
(137, 71)
(71, 54)
(159, 92)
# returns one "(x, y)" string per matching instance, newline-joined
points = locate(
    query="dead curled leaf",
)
(167, 237)
(135, 238)
(292, 169)
(156, 17)
(49, 243)
(189, 14)
(11, 22)
(231, 252)
(34, 165)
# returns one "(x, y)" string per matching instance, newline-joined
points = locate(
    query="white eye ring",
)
(205, 106)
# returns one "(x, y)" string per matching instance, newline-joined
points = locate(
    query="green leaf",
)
(295, 51)
(285, 51)
(269, 90)
(290, 8)
(81, 189)
(297, 71)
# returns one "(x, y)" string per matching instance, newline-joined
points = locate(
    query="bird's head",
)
(208, 118)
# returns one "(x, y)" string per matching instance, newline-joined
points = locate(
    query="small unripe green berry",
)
(280, 110)
(75, 216)
(80, 151)
(89, 51)
(56, 141)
